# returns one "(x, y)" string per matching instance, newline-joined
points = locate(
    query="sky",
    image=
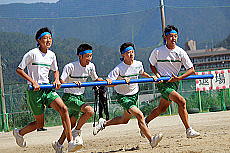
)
(26, 1)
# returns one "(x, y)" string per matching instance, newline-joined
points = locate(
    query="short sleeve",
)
(141, 68)
(93, 73)
(54, 66)
(186, 60)
(153, 58)
(113, 75)
(66, 72)
(26, 60)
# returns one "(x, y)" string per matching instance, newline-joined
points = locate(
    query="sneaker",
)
(99, 127)
(192, 133)
(57, 147)
(19, 139)
(72, 146)
(155, 140)
(142, 134)
(77, 138)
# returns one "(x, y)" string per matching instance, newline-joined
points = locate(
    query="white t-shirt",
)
(75, 72)
(168, 62)
(39, 64)
(129, 71)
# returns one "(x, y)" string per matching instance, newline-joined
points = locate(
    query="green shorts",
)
(127, 101)
(166, 88)
(74, 103)
(38, 99)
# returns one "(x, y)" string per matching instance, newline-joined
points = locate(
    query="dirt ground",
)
(214, 128)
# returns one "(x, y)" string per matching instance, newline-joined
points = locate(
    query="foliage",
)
(14, 45)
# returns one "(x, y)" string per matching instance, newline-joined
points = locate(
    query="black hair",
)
(83, 47)
(40, 31)
(170, 28)
(125, 45)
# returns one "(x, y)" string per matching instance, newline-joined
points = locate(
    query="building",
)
(209, 59)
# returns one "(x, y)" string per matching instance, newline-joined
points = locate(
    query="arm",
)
(22, 73)
(109, 81)
(56, 82)
(189, 72)
(154, 70)
(146, 75)
(99, 79)
(65, 73)
(188, 65)
(26, 60)
(113, 75)
(62, 81)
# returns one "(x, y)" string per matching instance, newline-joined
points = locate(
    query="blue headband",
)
(127, 49)
(172, 31)
(85, 52)
(43, 34)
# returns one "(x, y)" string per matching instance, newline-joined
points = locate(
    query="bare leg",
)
(141, 122)
(59, 106)
(39, 123)
(63, 136)
(161, 108)
(177, 98)
(87, 113)
(124, 119)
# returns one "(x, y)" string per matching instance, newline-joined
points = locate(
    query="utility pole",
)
(2, 100)
(162, 15)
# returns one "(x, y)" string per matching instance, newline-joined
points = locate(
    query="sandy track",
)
(214, 128)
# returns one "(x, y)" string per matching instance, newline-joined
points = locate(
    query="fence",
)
(18, 112)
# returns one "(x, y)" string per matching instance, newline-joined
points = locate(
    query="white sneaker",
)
(19, 139)
(72, 146)
(57, 147)
(99, 127)
(142, 134)
(77, 138)
(155, 140)
(192, 133)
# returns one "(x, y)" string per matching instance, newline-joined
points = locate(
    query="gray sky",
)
(26, 1)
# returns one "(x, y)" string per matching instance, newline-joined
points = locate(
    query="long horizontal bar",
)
(116, 82)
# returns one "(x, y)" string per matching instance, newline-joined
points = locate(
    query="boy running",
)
(167, 61)
(39, 61)
(77, 72)
(127, 94)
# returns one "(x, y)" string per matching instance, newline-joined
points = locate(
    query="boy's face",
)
(129, 55)
(45, 41)
(171, 39)
(86, 58)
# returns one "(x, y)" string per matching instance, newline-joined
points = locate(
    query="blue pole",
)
(116, 82)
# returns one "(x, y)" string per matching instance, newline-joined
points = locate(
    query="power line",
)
(170, 6)
(80, 17)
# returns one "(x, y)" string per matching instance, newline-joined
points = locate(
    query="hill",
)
(113, 22)
(14, 45)
(225, 43)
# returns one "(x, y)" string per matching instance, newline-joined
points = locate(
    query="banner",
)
(203, 84)
(221, 80)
